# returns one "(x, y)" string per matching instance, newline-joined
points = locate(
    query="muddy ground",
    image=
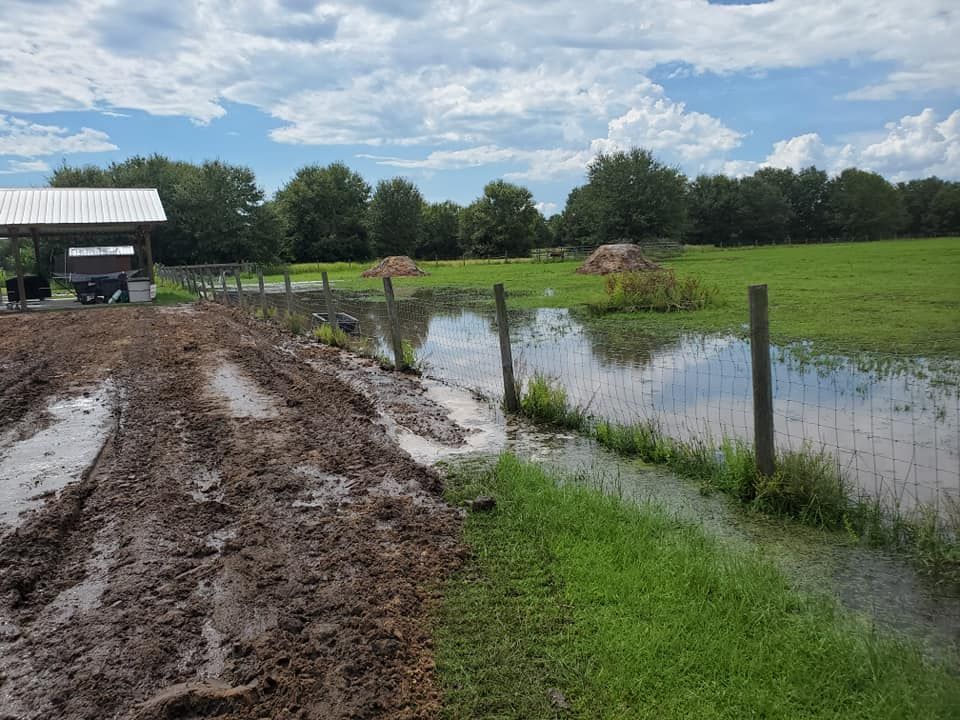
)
(249, 541)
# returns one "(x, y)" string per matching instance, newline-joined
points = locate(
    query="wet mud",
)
(249, 540)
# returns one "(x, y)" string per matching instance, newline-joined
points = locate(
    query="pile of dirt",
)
(215, 561)
(621, 257)
(394, 266)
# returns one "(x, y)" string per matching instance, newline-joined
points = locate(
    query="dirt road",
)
(249, 542)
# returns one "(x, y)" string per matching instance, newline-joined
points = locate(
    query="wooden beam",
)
(148, 251)
(35, 234)
(14, 234)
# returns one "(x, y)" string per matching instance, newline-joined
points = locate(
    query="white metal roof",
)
(43, 208)
(100, 251)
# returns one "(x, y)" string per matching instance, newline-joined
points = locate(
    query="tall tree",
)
(579, 221)
(864, 206)
(714, 207)
(636, 196)
(809, 203)
(395, 217)
(440, 233)
(323, 210)
(765, 214)
(916, 197)
(502, 221)
(943, 215)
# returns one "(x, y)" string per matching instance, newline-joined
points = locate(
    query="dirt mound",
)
(394, 266)
(621, 257)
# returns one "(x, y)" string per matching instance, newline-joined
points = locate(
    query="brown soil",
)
(621, 257)
(394, 266)
(209, 564)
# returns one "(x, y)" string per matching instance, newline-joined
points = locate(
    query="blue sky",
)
(454, 94)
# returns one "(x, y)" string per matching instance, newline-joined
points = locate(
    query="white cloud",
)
(15, 167)
(913, 146)
(22, 138)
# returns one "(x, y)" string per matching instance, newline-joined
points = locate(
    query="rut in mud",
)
(272, 554)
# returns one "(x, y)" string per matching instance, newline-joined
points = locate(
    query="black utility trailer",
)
(35, 287)
(106, 288)
(348, 323)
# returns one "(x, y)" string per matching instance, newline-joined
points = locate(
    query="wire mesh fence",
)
(891, 422)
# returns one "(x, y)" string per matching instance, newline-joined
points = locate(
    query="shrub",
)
(296, 323)
(657, 290)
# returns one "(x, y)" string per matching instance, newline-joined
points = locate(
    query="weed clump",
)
(545, 401)
(654, 290)
(333, 336)
(296, 323)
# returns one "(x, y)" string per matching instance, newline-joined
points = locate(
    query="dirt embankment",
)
(250, 543)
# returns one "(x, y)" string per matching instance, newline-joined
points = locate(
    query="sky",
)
(455, 94)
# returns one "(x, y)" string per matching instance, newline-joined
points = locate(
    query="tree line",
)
(218, 213)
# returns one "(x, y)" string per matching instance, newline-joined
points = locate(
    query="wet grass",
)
(898, 296)
(572, 597)
(808, 487)
(333, 336)
(545, 401)
(169, 294)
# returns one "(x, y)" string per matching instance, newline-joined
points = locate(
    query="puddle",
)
(57, 454)
(884, 588)
(244, 398)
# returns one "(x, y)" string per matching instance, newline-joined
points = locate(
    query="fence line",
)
(893, 425)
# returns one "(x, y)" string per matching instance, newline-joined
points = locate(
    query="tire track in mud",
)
(230, 566)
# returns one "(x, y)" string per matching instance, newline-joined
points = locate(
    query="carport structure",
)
(38, 212)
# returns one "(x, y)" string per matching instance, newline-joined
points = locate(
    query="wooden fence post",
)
(223, 287)
(394, 321)
(331, 307)
(762, 380)
(288, 290)
(263, 294)
(239, 289)
(510, 400)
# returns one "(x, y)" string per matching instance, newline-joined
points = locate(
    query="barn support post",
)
(393, 320)
(331, 307)
(148, 252)
(35, 235)
(14, 234)
(762, 380)
(510, 400)
(239, 289)
(263, 294)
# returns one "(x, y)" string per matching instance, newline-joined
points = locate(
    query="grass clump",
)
(409, 358)
(630, 613)
(296, 323)
(654, 290)
(333, 336)
(546, 401)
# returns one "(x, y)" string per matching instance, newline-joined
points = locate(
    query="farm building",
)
(79, 213)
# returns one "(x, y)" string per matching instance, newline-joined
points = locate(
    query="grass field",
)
(572, 597)
(897, 295)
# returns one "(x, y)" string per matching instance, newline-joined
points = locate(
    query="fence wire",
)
(892, 422)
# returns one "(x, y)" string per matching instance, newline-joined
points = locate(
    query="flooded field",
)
(892, 423)
(881, 587)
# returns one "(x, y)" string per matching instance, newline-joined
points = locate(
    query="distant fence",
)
(657, 249)
(891, 422)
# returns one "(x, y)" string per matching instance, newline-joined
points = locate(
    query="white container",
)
(140, 290)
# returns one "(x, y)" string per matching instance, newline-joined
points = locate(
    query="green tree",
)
(943, 215)
(809, 204)
(323, 210)
(714, 210)
(636, 196)
(395, 217)
(916, 197)
(864, 206)
(765, 214)
(440, 232)
(503, 221)
(579, 222)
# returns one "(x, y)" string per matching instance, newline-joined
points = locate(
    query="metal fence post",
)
(394, 321)
(510, 400)
(288, 290)
(263, 294)
(762, 380)
(331, 308)
(239, 290)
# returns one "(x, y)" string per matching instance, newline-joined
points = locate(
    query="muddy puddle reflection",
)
(883, 588)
